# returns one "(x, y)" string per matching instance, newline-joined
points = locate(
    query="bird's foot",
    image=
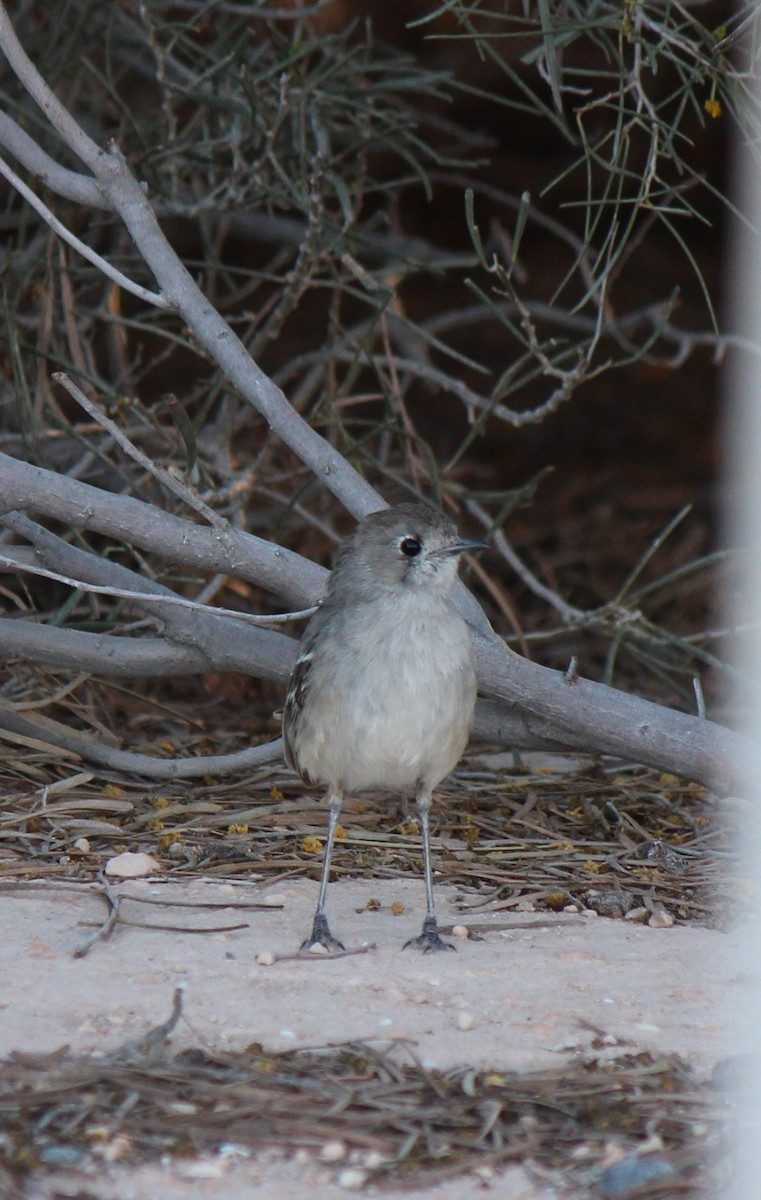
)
(321, 936)
(429, 939)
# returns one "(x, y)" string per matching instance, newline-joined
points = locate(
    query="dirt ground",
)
(532, 994)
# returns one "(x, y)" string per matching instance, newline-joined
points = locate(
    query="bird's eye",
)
(410, 547)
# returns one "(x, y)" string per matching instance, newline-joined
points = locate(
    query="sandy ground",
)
(522, 998)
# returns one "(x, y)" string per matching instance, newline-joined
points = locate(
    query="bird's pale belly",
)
(393, 739)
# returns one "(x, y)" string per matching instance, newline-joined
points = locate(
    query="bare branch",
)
(186, 494)
(138, 764)
(86, 251)
(18, 560)
(69, 184)
(181, 292)
(229, 552)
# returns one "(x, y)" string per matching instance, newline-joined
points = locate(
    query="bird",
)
(383, 691)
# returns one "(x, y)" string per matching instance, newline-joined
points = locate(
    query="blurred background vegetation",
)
(480, 247)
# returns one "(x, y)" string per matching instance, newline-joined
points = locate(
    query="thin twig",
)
(106, 928)
(16, 562)
(154, 298)
(180, 489)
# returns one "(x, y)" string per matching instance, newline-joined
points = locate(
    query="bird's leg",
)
(429, 938)
(321, 935)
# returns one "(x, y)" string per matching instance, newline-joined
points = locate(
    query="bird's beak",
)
(461, 546)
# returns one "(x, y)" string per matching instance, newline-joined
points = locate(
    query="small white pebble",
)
(204, 1168)
(117, 1148)
(270, 901)
(131, 866)
(266, 958)
(637, 914)
(333, 1152)
(289, 1034)
(460, 931)
(375, 1159)
(484, 1172)
(82, 845)
(352, 1179)
(660, 919)
(466, 1021)
(571, 908)
(589, 912)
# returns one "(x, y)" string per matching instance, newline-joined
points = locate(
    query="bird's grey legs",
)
(429, 938)
(321, 935)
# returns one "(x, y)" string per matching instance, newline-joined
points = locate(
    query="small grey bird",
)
(383, 691)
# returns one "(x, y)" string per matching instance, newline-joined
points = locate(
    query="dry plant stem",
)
(97, 260)
(227, 552)
(180, 292)
(255, 651)
(19, 559)
(127, 762)
(106, 928)
(180, 489)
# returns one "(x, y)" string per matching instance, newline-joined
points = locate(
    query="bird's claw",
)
(321, 936)
(429, 939)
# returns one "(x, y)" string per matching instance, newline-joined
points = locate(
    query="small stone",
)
(632, 1174)
(460, 931)
(465, 1021)
(131, 866)
(589, 912)
(117, 1148)
(570, 908)
(637, 914)
(484, 1172)
(82, 846)
(660, 919)
(352, 1179)
(203, 1168)
(333, 1152)
(266, 958)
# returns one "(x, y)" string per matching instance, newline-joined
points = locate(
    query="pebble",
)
(266, 958)
(631, 1174)
(460, 931)
(660, 919)
(637, 914)
(82, 846)
(333, 1152)
(131, 866)
(466, 1021)
(352, 1179)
